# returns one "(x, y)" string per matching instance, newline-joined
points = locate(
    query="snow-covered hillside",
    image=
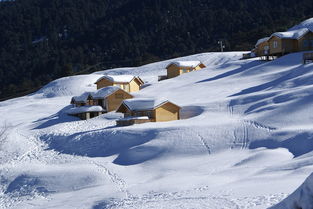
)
(245, 140)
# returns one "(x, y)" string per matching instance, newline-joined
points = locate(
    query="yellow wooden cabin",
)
(180, 67)
(110, 98)
(128, 83)
(142, 110)
(281, 43)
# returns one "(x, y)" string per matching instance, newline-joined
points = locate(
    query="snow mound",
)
(69, 86)
(302, 198)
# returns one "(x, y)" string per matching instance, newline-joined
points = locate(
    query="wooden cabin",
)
(147, 110)
(85, 112)
(128, 83)
(180, 67)
(110, 98)
(262, 47)
(281, 43)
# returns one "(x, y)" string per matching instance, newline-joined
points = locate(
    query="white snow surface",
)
(186, 63)
(301, 198)
(245, 140)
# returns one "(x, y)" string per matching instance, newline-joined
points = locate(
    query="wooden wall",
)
(116, 99)
(278, 49)
(104, 83)
(167, 112)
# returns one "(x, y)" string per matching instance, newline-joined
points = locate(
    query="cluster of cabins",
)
(281, 43)
(114, 93)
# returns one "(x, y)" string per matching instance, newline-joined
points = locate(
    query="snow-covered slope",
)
(244, 141)
(301, 198)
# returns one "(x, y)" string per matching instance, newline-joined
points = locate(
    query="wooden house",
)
(142, 110)
(86, 112)
(262, 47)
(281, 43)
(180, 67)
(110, 98)
(128, 83)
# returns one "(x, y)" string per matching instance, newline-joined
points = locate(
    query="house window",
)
(275, 44)
(119, 96)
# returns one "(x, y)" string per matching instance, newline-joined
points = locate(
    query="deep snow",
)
(245, 140)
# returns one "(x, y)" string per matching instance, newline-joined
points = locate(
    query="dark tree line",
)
(43, 40)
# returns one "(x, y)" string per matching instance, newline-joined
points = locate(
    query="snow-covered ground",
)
(245, 140)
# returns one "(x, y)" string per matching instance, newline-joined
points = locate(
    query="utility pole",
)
(221, 45)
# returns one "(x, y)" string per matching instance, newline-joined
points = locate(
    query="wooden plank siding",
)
(104, 83)
(167, 112)
(115, 100)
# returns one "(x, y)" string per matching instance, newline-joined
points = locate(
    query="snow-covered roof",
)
(292, 34)
(135, 118)
(261, 41)
(83, 97)
(185, 63)
(83, 109)
(104, 92)
(305, 24)
(118, 78)
(143, 103)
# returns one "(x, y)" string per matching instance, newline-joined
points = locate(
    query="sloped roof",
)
(185, 63)
(104, 92)
(84, 109)
(305, 24)
(261, 41)
(144, 103)
(118, 78)
(83, 97)
(292, 34)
